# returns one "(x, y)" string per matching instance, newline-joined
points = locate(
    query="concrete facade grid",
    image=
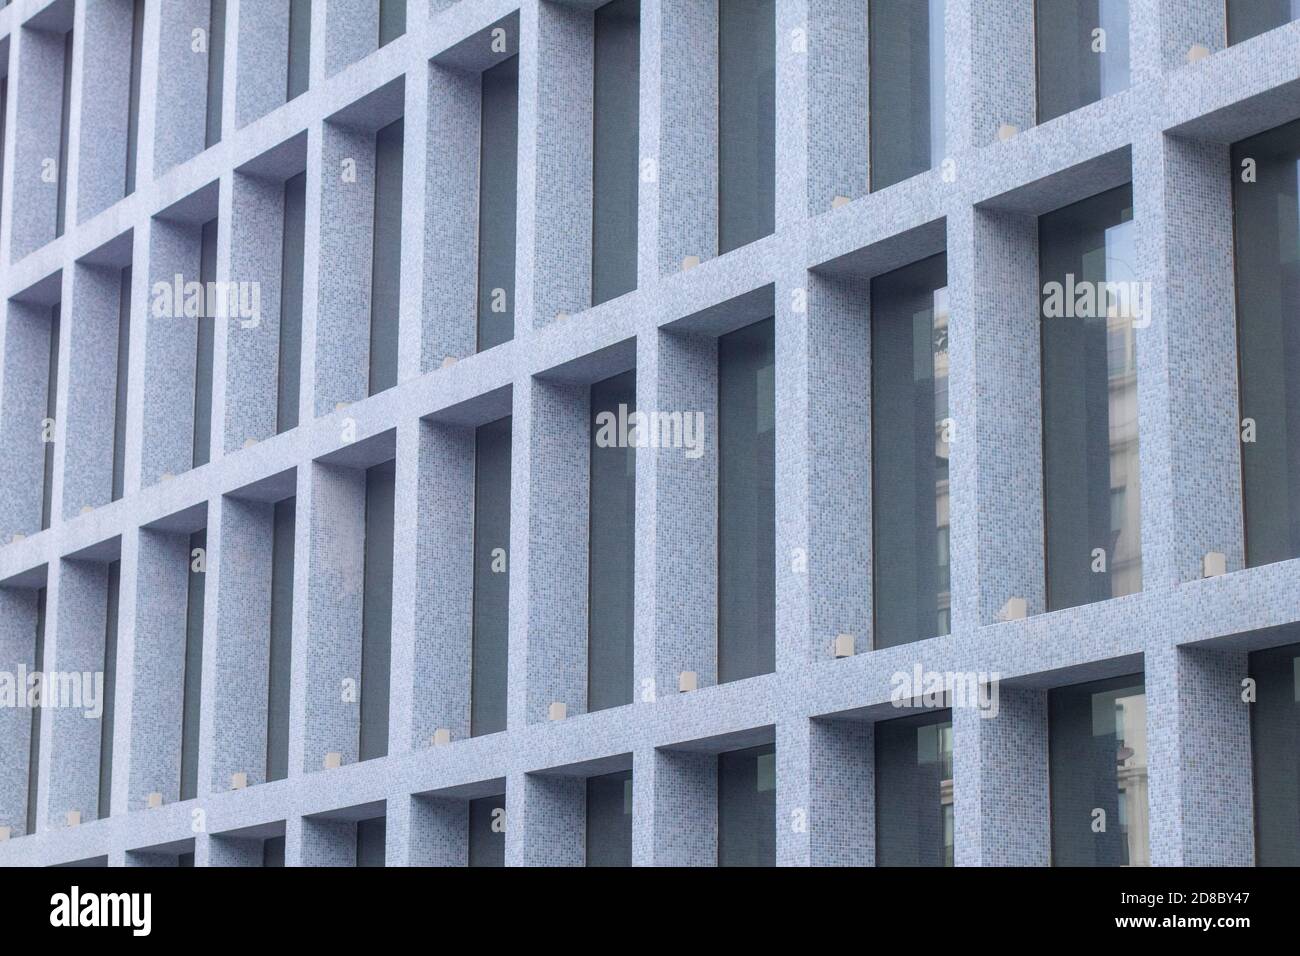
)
(1168, 134)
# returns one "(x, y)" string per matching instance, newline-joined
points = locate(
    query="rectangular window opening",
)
(377, 611)
(491, 614)
(386, 263)
(192, 687)
(906, 89)
(1098, 770)
(612, 574)
(497, 199)
(1091, 478)
(120, 382)
(616, 85)
(205, 334)
(1082, 53)
(909, 460)
(914, 811)
(280, 646)
(114, 576)
(216, 72)
(747, 502)
(746, 122)
(609, 819)
(747, 807)
(288, 381)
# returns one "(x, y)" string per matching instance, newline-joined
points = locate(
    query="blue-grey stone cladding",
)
(1168, 134)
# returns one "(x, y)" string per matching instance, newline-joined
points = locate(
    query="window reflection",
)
(1091, 297)
(1275, 741)
(1267, 224)
(909, 440)
(1098, 764)
(906, 89)
(914, 805)
(1082, 53)
(1250, 18)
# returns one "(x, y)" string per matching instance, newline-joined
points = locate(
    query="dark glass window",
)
(51, 410)
(289, 359)
(204, 346)
(914, 821)
(1082, 53)
(1098, 766)
(133, 94)
(907, 89)
(909, 452)
(216, 71)
(487, 834)
(386, 263)
(1275, 740)
(371, 836)
(392, 20)
(1250, 18)
(747, 807)
(609, 819)
(616, 86)
(612, 563)
(114, 583)
(747, 502)
(120, 382)
(273, 851)
(4, 109)
(280, 644)
(299, 69)
(192, 687)
(491, 578)
(34, 740)
(377, 611)
(746, 121)
(1267, 223)
(497, 185)
(1090, 296)
(65, 119)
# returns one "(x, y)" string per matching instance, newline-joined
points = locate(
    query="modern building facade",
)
(651, 432)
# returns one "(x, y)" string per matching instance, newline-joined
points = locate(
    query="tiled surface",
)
(983, 213)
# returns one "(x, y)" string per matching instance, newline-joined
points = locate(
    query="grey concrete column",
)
(17, 653)
(330, 652)
(155, 655)
(250, 348)
(1188, 415)
(559, 484)
(999, 67)
(837, 99)
(994, 397)
(553, 271)
(450, 293)
(554, 824)
(180, 82)
(103, 44)
(684, 510)
(685, 794)
(795, 785)
(257, 51)
(1201, 800)
(237, 636)
(88, 421)
(1001, 815)
(76, 607)
(838, 451)
(688, 129)
(438, 831)
(841, 769)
